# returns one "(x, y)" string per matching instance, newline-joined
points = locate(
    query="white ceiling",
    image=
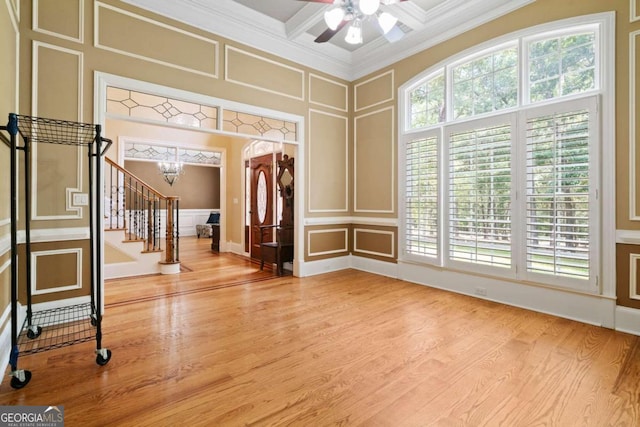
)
(287, 28)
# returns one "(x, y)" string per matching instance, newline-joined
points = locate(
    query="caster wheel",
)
(18, 384)
(31, 334)
(103, 361)
(94, 321)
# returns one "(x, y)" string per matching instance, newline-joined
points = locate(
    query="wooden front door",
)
(261, 199)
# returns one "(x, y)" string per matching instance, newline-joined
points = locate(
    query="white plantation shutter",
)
(479, 196)
(421, 197)
(559, 202)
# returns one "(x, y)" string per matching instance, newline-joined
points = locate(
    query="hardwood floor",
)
(225, 344)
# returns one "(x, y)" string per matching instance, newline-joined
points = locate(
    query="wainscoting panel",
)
(328, 93)
(628, 275)
(374, 162)
(126, 33)
(251, 70)
(328, 162)
(374, 91)
(327, 242)
(376, 242)
(57, 92)
(61, 18)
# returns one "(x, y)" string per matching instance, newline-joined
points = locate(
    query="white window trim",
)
(604, 254)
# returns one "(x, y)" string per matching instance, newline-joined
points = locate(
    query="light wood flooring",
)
(225, 344)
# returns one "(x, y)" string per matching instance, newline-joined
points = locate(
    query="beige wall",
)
(198, 187)
(345, 175)
(8, 104)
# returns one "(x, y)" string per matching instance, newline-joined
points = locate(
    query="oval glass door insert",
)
(261, 194)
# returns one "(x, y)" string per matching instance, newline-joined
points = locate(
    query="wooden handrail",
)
(126, 172)
(142, 204)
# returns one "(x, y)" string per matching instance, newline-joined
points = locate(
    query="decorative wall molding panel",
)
(374, 91)
(634, 165)
(329, 170)
(328, 93)
(374, 161)
(633, 276)
(111, 26)
(316, 248)
(71, 283)
(46, 22)
(634, 6)
(56, 70)
(255, 71)
(364, 244)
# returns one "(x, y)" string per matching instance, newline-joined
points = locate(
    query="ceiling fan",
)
(354, 13)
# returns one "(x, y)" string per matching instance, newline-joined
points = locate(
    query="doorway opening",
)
(264, 201)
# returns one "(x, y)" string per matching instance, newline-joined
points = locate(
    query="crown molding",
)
(236, 22)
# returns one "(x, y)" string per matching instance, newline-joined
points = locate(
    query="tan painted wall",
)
(8, 91)
(378, 90)
(198, 187)
(294, 89)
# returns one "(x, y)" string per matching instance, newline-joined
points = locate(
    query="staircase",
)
(141, 226)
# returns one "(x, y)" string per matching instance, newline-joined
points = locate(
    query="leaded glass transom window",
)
(153, 152)
(157, 108)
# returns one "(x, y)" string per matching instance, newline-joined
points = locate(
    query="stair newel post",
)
(129, 206)
(169, 250)
(177, 251)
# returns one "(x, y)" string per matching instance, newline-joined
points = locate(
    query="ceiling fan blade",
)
(329, 33)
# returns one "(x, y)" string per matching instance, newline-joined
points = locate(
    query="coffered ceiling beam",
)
(304, 19)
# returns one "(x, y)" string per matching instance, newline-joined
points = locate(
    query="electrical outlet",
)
(481, 291)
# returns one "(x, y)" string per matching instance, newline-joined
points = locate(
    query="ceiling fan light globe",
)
(387, 22)
(334, 17)
(369, 7)
(354, 34)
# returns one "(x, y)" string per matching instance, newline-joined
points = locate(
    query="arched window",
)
(500, 157)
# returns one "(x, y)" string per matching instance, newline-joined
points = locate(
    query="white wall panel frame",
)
(36, 27)
(364, 251)
(633, 11)
(34, 276)
(633, 276)
(77, 211)
(267, 60)
(346, 165)
(392, 162)
(633, 172)
(331, 230)
(391, 91)
(96, 38)
(346, 92)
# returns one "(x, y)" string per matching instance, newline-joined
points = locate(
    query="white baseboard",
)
(370, 265)
(628, 320)
(586, 308)
(233, 247)
(312, 268)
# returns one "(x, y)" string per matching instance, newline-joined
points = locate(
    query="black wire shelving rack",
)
(67, 325)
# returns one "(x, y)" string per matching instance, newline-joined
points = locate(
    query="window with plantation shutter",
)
(558, 200)
(480, 196)
(505, 154)
(421, 204)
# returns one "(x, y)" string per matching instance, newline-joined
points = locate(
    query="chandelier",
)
(354, 13)
(170, 171)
